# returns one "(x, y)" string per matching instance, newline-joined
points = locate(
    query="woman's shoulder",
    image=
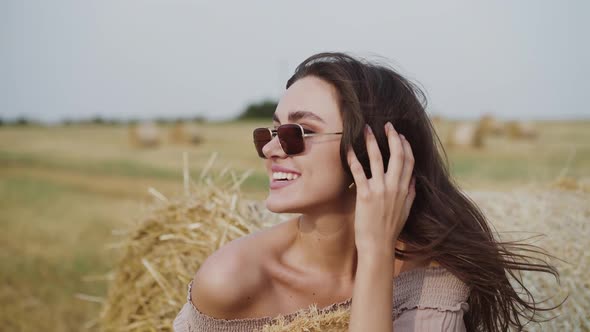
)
(229, 280)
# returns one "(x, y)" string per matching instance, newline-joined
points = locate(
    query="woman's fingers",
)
(410, 198)
(408, 165)
(357, 171)
(375, 160)
(396, 158)
(400, 168)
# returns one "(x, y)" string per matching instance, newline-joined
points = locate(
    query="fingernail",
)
(402, 136)
(389, 125)
(369, 130)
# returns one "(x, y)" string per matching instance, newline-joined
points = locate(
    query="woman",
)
(380, 225)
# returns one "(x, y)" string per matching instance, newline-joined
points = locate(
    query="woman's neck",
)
(325, 244)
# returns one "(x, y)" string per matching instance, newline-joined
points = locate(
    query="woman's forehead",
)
(309, 98)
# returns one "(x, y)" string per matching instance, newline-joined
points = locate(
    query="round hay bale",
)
(557, 221)
(193, 133)
(144, 135)
(182, 133)
(132, 134)
(521, 130)
(491, 126)
(164, 249)
(466, 135)
(570, 183)
(176, 133)
(528, 130)
(436, 120)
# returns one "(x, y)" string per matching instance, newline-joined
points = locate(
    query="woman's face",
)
(319, 180)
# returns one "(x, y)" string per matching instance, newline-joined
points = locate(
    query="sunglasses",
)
(291, 137)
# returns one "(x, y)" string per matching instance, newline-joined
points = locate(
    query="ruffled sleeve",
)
(430, 300)
(424, 319)
(190, 319)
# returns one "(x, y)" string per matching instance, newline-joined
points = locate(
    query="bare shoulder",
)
(230, 280)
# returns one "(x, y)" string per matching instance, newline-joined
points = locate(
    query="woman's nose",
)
(273, 149)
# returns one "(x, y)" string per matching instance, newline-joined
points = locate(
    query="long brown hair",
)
(444, 224)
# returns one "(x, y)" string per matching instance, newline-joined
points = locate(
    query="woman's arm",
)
(372, 295)
(382, 206)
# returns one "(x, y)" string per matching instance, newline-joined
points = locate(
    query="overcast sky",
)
(141, 59)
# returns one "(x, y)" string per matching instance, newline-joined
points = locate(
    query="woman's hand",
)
(383, 202)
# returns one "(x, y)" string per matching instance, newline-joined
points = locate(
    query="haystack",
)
(165, 248)
(144, 135)
(521, 130)
(183, 133)
(558, 221)
(571, 183)
(490, 125)
(466, 135)
(437, 120)
(311, 320)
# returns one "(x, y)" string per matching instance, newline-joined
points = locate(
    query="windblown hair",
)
(444, 224)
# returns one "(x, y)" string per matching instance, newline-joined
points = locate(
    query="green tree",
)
(260, 110)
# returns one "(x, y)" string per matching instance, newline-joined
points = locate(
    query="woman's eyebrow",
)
(298, 115)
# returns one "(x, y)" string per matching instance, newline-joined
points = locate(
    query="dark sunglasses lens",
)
(261, 137)
(291, 138)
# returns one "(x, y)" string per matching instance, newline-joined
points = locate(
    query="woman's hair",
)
(444, 224)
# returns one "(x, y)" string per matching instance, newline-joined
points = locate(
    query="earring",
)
(351, 186)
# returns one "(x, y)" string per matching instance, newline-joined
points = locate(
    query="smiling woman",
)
(380, 227)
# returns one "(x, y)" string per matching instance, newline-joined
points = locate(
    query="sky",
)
(144, 59)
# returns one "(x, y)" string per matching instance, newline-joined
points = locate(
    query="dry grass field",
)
(64, 189)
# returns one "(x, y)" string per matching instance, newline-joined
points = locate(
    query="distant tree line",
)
(98, 120)
(260, 110)
(20, 121)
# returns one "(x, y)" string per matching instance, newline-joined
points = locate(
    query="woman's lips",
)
(277, 184)
(277, 168)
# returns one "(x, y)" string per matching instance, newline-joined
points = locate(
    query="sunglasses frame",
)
(275, 132)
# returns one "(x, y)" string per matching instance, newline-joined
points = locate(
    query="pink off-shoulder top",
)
(425, 299)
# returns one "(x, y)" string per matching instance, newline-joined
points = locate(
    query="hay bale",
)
(312, 320)
(193, 133)
(437, 120)
(164, 250)
(490, 125)
(466, 135)
(182, 133)
(557, 221)
(521, 130)
(132, 135)
(176, 133)
(573, 184)
(144, 135)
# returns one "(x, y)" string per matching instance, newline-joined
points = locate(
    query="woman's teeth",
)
(284, 176)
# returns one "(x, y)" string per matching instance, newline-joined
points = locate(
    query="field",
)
(64, 189)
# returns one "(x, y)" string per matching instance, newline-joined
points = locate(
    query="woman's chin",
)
(276, 206)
